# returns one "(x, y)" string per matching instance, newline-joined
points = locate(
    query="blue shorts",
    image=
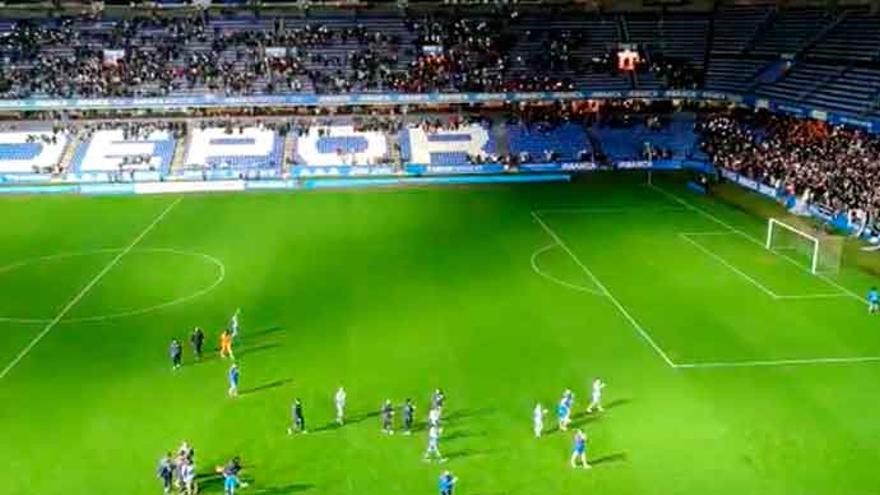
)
(579, 450)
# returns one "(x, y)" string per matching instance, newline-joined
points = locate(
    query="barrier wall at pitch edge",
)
(307, 171)
(178, 102)
(820, 212)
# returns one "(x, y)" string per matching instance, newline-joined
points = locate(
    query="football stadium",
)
(458, 247)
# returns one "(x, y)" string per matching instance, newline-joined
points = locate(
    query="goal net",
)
(819, 252)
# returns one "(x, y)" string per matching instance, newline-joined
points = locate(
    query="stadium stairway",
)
(394, 147)
(502, 147)
(69, 152)
(828, 28)
(735, 28)
(288, 150)
(180, 148)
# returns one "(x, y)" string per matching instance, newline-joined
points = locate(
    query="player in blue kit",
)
(233, 380)
(230, 482)
(579, 452)
(568, 398)
(563, 415)
(873, 300)
(447, 483)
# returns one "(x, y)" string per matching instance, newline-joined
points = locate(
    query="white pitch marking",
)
(604, 290)
(780, 362)
(221, 275)
(553, 279)
(769, 292)
(732, 268)
(607, 210)
(831, 295)
(708, 233)
(76, 299)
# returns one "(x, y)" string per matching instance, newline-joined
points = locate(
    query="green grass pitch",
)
(730, 370)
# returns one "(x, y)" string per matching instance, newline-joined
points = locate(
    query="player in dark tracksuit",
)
(176, 354)
(299, 421)
(387, 415)
(166, 472)
(409, 412)
(197, 339)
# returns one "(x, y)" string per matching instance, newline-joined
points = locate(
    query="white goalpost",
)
(818, 251)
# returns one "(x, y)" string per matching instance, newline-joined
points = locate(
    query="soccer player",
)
(568, 398)
(873, 300)
(538, 420)
(233, 380)
(226, 345)
(596, 396)
(230, 482)
(579, 452)
(188, 473)
(166, 472)
(562, 415)
(387, 417)
(299, 420)
(447, 483)
(340, 405)
(233, 324)
(434, 444)
(409, 410)
(197, 339)
(176, 354)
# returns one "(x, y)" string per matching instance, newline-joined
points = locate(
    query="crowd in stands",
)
(158, 55)
(833, 166)
(43, 138)
(133, 130)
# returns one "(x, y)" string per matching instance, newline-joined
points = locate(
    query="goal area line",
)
(686, 236)
(778, 362)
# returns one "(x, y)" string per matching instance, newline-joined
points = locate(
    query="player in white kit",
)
(434, 417)
(596, 398)
(538, 420)
(339, 399)
(434, 444)
(233, 324)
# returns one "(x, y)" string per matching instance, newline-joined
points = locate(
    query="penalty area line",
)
(635, 324)
(610, 209)
(563, 283)
(780, 362)
(700, 211)
(85, 290)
